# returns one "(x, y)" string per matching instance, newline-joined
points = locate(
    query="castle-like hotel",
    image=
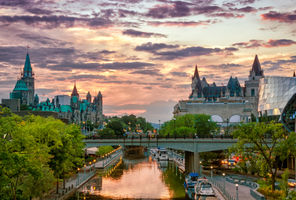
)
(73, 109)
(226, 104)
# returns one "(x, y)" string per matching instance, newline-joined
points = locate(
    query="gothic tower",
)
(88, 97)
(196, 86)
(98, 102)
(252, 85)
(28, 78)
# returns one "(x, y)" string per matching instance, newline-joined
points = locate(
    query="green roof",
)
(27, 67)
(20, 86)
(65, 108)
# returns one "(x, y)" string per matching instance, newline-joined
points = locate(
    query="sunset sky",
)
(141, 53)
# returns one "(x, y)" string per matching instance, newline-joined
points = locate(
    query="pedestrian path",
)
(243, 191)
(83, 175)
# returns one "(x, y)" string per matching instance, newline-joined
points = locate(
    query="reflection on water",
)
(139, 179)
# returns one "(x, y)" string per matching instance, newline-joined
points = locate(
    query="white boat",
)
(204, 188)
(162, 154)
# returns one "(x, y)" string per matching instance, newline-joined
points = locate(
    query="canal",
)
(130, 178)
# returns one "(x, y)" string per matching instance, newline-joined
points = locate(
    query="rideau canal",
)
(135, 178)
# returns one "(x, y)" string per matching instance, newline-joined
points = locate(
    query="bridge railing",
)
(139, 137)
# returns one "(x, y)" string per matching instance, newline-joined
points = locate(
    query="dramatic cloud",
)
(279, 64)
(288, 17)
(179, 74)
(54, 21)
(261, 43)
(190, 52)
(41, 40)
(180, 23)
(153, 47)
(135, 33)
(147, 72)
(175, 9)
(247, 9)
(69, 66)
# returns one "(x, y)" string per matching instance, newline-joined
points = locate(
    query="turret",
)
(28, 78)
(196, 85)
(27, 71)
(256, 68)
(75, 92)
(36, 100)
(88, 97)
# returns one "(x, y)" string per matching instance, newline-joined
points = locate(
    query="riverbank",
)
(84, 174)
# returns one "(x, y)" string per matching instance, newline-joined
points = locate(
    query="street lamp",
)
(224, 181)
(211, 172)
(78, 169)
(158, 127)
(236, 186)
(200, 168)
(84, 175)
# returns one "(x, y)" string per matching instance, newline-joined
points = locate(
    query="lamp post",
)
(158, 127)
(84, 175)
(224, 181)
(236, 186)
(200, 168)
(211, 172)
(90, 166)
(78, 169)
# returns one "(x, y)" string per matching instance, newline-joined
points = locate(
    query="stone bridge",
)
(192, 147)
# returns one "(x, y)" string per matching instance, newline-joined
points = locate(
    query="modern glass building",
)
(288, 115)
(277, 98)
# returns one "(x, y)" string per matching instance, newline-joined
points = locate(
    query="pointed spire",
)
(88, 97)
(99, 94)
(196, 74)
(294, 75)
(74, 91)
(27, 68)
(257, 67)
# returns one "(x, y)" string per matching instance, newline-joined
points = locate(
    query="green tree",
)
(204, 125)
(24, 166)
(117, 126)
(102, 150)
(33, 150)
(264, 142)
(189, 125)
(106, 133)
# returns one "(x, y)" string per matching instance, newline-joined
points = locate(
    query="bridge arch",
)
(217, 118)
(235, 119)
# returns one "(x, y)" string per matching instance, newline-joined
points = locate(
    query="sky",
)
(141, 54)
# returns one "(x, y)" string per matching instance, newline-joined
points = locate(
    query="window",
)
(252, 92)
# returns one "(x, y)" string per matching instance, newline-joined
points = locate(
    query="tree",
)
(204, 125)
(117, 126)
(188, 125)
(34, 150)
(265, 143)
(106, 133)
(25, 172)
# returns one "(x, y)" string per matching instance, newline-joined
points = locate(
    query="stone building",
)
(226, 104)
(73, 109)
(25, 87)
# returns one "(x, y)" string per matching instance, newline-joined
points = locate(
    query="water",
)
(135, 179)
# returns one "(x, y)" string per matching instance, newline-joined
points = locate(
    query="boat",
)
(190, 180)
(204, 188)
(162, 154)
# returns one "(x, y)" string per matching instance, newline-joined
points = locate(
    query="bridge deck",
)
(192, 145)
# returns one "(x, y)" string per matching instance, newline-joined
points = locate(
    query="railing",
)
(84, 176)
(221, 189)
(161, 137)
(106, 161)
